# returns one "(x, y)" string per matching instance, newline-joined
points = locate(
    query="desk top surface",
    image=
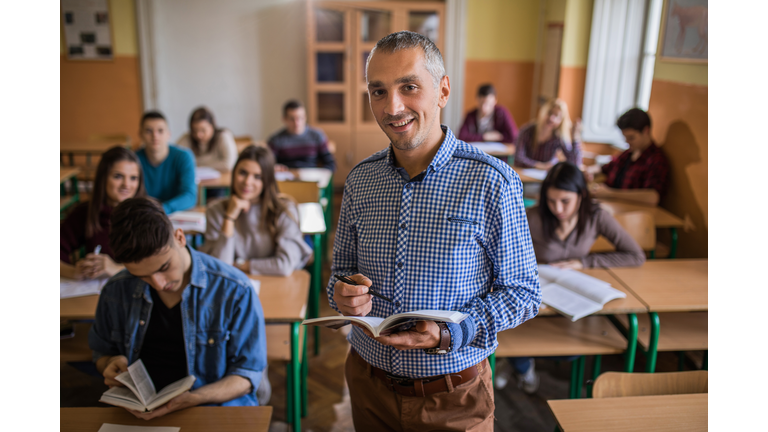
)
(630, 304)
(320, 175)
(224, 419)
(67, 173)
(687, 412)
(86, 146)
(675, 285)
(283, 299)
(661, 217)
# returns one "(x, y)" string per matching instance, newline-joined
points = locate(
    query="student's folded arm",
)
(521, 156)
(291, 252)
(516, 295)
(628, 253)
(247, 344)
(344, 245)
(649, 197)
(216, 243)
(508, 127)
(186, 187)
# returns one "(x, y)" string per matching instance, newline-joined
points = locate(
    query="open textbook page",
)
(139, 392)
(574, 294)
(392, 324)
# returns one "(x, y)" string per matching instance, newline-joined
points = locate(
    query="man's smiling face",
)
(404, 99)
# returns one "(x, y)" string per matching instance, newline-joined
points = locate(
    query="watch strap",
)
(445, 337)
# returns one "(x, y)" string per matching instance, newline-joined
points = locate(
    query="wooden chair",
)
(301, 191)
(619, 384)
(639, 225)
(279, 348)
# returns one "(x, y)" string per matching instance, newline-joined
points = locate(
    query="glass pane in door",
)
(374, 25)
(330, 67)
(329, 25)
(425, 23)
(330, 107)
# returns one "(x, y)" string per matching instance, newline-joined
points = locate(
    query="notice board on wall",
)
(87, 29)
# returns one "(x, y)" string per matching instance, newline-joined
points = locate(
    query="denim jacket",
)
(222, 319)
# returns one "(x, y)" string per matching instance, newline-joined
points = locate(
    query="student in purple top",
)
(118, 177)
(538, 142)
(489, 121)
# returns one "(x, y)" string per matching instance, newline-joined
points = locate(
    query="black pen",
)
(349, 281)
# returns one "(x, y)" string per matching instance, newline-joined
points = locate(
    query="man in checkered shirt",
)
(432, 223)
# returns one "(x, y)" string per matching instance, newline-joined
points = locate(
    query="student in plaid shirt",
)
(432, 223)
(641, 173)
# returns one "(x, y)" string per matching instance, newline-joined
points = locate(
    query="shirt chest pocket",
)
(212, 339)
(461, 238)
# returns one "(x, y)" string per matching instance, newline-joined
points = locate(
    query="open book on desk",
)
(139, 392)
(79, 288)
(574, 294)
(391, 324)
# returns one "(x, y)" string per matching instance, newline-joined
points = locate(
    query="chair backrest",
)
(640, 225)
(241, 142)
(301, 191)
(618, 384)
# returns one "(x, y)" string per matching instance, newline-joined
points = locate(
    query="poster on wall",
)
(684, 36)
(87, 32)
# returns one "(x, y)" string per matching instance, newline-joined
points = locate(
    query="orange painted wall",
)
(100, 98)
(512, 80)
(571, 89)
(679, 116)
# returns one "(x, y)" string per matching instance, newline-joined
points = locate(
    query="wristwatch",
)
(445, 341)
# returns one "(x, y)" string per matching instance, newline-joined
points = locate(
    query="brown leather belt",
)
(423, 386)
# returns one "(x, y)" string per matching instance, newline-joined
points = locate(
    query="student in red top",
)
(641, 173)
(488, 122)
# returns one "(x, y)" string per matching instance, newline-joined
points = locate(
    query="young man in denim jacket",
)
(180, 311)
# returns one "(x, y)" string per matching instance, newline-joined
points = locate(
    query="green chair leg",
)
(288, 395)
(650, 365)
(492, 365)
(704, 364)
(316, 288)
(294, 407)
(631, 335)
(681, 361)
(577, 376)
(673, 246)
(304, 373)
(595, 373)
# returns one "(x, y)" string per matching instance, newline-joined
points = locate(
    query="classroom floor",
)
(329, 409)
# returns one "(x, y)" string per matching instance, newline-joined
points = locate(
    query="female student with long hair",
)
(213, 147)
(564, 226)
(118, 177)
(256, 229)
(538, 142)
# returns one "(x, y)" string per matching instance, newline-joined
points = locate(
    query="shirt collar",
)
(444, 153)
(198, 276)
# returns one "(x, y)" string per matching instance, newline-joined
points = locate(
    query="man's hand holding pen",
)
(356, 300)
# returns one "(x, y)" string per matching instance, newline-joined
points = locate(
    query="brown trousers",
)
(467, 407)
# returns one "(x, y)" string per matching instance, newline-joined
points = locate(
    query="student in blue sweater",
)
(169, 171)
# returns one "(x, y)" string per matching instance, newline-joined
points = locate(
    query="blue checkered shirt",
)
(453, 238)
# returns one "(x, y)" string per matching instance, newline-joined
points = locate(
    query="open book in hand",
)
(391, 324)
(574, 294)
(139, 392)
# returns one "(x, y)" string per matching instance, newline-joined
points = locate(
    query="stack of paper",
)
(206, 173)
(490, 147)
(284, 176)
(74, 288)
(188, 221)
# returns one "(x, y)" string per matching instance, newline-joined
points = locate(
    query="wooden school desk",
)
(312, 222)
(679, 285)
(283, 299)
(320, 175)
(592, 335)
(673, 413)
(195, 419)
(71, 196)
(661, 217)
(89, 148)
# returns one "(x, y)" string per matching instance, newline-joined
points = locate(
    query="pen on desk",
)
(349, 281)
(97, 250)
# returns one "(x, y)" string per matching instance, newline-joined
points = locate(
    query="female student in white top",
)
(213, 147)
(563, 227)
(257, 228)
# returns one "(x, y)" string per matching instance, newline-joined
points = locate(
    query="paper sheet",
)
(110, 427)
(74, 288)
(490, 147)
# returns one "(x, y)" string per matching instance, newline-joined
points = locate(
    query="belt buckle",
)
(397, 379)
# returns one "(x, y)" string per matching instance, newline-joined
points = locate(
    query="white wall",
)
(241, 58)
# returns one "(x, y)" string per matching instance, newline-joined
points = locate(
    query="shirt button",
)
(400, 265)
(141, 322)
(397, 303)
(402, 225)
(407, 185)
(210, 341)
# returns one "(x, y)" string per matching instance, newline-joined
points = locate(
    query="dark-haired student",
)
(298, 145)
(180, 311)
(489, 121)
(257, 228)
(564, 226)
(641, 173)
(118, 177)
(213, 147)
(169, 171)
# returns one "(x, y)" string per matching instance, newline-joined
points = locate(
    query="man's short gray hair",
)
(407, 40)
